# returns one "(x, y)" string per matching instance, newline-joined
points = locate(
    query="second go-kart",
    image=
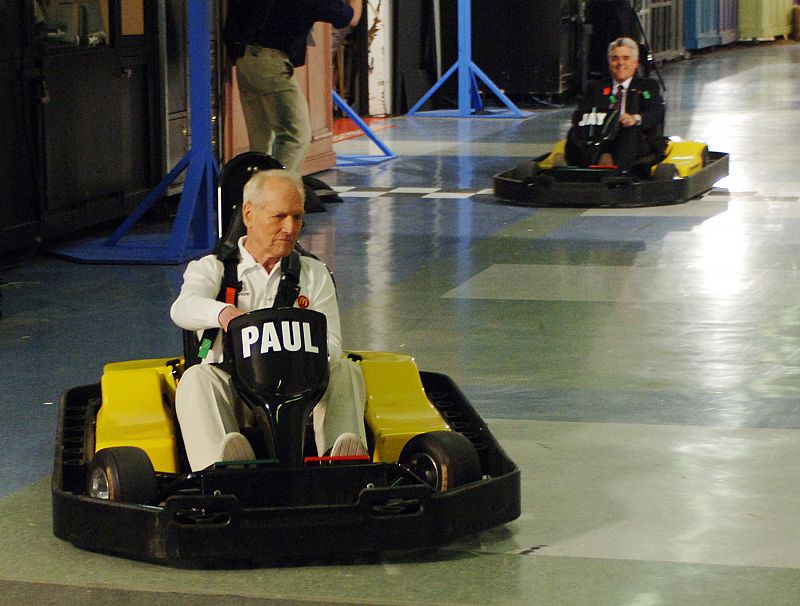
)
(684, 170)
(687, 170)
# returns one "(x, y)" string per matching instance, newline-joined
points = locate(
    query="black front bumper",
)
(262, 514)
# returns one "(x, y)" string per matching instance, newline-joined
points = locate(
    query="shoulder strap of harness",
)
(289, 286)
(288, 290)
(229, 291)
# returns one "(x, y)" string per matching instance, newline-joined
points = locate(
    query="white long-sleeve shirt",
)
(197, 308)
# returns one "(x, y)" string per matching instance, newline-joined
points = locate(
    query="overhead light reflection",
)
(721, 265)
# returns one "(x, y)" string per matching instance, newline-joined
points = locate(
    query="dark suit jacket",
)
(643, 98)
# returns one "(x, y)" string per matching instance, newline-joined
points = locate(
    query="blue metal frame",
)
(469, 101)
(361, 160)
(194, 231)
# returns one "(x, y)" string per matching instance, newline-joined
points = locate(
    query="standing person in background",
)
(266, 40)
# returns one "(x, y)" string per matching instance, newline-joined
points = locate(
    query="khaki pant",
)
(275, 109)
(208, 406)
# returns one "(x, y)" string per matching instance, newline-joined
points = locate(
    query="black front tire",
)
(665, 172)
(124, 474)
(442, 459)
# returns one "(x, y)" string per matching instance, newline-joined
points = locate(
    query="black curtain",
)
(610, 19)
(414, 62)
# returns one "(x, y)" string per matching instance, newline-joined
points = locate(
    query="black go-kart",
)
(121, 483)
(685, 170)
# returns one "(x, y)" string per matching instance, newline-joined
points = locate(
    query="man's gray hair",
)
(254, 189)
(627, 42)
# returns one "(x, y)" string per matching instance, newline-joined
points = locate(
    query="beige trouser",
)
(206, 404)
(275, 109)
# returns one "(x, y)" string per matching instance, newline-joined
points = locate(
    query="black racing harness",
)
(231, 286)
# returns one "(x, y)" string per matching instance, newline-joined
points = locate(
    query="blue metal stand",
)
(469, 101)
(194, 231)
(360, 160)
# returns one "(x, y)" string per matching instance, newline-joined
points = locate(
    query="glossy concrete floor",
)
(641, 366)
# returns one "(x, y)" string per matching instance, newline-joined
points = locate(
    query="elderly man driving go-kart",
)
(209, 410)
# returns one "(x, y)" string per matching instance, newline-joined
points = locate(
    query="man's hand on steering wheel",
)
(630, 120)
(226, 315)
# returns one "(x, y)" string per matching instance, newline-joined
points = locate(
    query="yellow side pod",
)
(559, 149)
(687, 156)
(397, 407)
(138, 400)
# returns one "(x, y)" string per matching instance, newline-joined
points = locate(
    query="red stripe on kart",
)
(352, 458)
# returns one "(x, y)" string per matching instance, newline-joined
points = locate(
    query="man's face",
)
(273, 228)
(622, 64)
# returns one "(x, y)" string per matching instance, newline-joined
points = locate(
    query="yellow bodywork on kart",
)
(397, 408)
(559, 150)
(138, 403)
(686, 156)
(138, 400)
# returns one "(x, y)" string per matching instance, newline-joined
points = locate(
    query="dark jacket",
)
(586, 140)
(643, 98)
(280, 24)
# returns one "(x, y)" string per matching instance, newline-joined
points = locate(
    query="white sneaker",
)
(235, 447)
(348, 445)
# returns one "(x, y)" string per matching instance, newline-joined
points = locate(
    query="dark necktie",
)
(618, 98)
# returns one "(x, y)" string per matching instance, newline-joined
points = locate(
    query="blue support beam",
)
(194, 231)
(366, 159)
(469, 101)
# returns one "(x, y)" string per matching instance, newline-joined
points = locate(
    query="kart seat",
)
(232, 179)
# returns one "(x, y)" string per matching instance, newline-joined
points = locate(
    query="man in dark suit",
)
(624, 113)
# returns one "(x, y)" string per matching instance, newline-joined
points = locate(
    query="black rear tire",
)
(442, 459)
(123, 474)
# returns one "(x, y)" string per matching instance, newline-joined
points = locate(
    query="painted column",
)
(378, 15)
